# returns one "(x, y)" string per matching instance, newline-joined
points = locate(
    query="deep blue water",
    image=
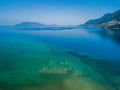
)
(93, 42)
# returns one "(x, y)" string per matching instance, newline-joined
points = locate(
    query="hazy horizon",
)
(59, 12)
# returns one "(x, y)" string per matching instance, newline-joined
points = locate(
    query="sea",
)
(83, 58)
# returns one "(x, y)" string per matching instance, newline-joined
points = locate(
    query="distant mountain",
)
(40, 26)
(109, 20)
(30, 24)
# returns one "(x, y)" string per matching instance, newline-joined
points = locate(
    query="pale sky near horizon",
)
(60, 12)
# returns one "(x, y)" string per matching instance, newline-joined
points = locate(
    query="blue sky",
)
(61, 12)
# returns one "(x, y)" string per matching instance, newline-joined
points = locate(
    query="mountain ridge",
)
(109, 20)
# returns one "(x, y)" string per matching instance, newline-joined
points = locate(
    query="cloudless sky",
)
(61, 12)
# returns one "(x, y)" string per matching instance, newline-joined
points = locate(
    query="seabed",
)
(32, 65)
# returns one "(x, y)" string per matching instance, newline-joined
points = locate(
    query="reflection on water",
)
(84, 41)
(35, 61)
(113, 34)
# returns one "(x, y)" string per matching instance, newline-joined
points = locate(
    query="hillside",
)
(109, 20)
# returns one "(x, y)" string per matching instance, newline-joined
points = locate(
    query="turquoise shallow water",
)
(32, 63)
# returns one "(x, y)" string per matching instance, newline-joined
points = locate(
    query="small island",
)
(30, 24)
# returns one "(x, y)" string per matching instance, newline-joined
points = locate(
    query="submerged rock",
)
(54, 70)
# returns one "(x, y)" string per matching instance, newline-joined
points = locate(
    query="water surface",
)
(84, 58)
